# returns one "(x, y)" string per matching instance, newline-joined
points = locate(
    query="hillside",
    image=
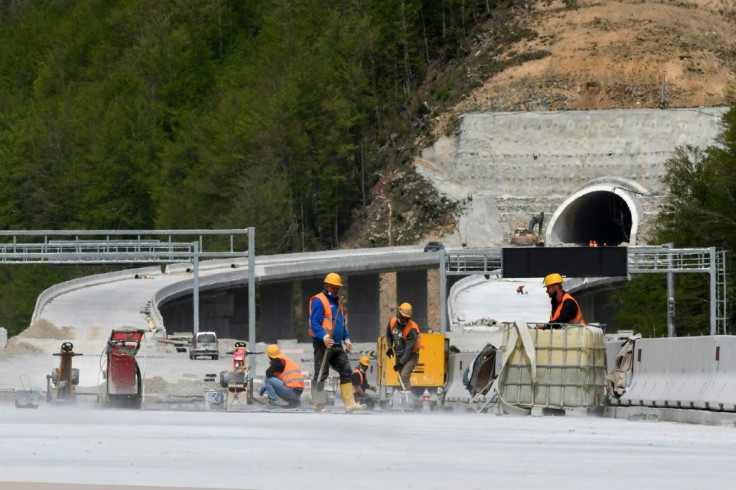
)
(564, 55)
(611, 55)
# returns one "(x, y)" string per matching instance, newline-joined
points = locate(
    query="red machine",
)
(124, 386)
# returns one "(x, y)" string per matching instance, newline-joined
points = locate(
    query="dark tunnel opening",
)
(601, 216)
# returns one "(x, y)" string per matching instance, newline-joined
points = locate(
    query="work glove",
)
(262, 391)
(328, 341)
(348, 345)
(390, 353)
(398, 366)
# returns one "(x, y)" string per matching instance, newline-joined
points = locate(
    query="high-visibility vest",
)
(362, 379)
(556, 314)
(291, 375)
(410, 325)
(327, 322)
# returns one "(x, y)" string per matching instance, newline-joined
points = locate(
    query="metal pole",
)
(713, 294)
(195, 299)
(670, 292)
(443, 292)
(251, 308)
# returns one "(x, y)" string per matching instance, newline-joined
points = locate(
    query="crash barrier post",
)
(568, 371)
(456, 391)
(675, 372)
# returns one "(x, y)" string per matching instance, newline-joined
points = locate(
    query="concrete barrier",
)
(674, 373)
(721, 394)
(455, 391)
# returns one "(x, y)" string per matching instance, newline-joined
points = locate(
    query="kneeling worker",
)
(360, 383)
(283, 379)
(404, 339)
(565, 309)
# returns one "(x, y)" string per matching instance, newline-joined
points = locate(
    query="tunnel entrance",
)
(607, 216)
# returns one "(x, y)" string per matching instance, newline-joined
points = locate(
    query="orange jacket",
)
(410, 325)
(291, 375)
(578, 319)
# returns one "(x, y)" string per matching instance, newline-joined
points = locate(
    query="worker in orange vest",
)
(565, 308)
(360, 382)
(329, 333)
(283, 379)
(404, 339)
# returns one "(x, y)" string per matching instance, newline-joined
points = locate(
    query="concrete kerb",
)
(83, 282)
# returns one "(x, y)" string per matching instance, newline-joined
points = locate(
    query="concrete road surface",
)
(308, 450)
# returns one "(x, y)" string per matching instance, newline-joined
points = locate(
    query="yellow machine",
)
(429, 375)
(61, 383)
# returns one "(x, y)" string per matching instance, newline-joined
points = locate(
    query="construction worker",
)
(283, 379)
(565, 309)
(360, 382)
(329, 332)
(404, 339)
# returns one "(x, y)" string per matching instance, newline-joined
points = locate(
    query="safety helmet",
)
(273, 350)
(551, 279)
(405, 310)
(333, 279)
(365, 360)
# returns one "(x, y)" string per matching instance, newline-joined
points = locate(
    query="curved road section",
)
(133, 297)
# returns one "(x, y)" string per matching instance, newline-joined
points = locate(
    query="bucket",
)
(213, 399)
(26, 398)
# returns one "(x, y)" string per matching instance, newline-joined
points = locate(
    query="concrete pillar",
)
(411, 286)
(309, 287)
(276, 316)
(363, 311)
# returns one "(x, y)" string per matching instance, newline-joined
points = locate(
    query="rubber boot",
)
(319, 407)
(349, 399)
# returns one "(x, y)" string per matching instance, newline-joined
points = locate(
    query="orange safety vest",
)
(410, 325)
(327, 320)
(578, 318)
(291, 375)
(362, 379)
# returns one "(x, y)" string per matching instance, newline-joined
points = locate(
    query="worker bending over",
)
(404, 339)
(283, 379)
(329, 333)
(360, 383)
(565, 309)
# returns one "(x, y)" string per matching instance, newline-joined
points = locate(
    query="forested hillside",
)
(278, 114)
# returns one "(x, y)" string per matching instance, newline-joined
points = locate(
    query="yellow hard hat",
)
(551, 279)
(333, 279)
(273, 350)
(405, 310)
(365, 360)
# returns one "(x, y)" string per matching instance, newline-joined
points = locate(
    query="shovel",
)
(402, 400)
(319, 397)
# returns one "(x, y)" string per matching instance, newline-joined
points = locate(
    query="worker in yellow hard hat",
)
(565, 308)
(404, 340)
(330, 333)
(360, 382)
(283, 379)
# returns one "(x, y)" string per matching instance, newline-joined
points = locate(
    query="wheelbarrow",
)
(26, 398)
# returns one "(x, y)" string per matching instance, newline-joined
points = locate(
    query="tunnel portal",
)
(607, 216)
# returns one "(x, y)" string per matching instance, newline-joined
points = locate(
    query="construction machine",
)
(236, 379)
(429, 377)
(525, 237)
(60, 384)
(123, 380)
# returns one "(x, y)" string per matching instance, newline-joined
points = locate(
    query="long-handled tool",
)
(319, 397)
(401, 400)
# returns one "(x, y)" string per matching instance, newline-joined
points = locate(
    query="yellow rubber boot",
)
(349, 399)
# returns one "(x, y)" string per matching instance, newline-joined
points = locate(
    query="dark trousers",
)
(336, 357)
